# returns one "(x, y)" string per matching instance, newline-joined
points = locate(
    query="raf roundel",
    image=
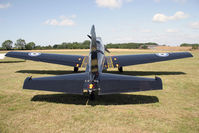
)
(162, 54)
(34, 54)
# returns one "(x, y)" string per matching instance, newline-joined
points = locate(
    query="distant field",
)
(173, 109)
(175, 48)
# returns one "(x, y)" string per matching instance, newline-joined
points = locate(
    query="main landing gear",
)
(92, 96)
(76, 69)
(120, 69)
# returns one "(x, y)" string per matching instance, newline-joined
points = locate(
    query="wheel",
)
(120, 69)
(76, 69)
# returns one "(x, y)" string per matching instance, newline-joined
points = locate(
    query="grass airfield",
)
(173, 109)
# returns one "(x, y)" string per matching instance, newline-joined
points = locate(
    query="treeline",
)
(131, 45)
(194, 46)
(74, 45)
(21, 44)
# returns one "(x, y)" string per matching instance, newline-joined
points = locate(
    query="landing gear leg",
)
(76, 69)
(92, 96)
(120, 69)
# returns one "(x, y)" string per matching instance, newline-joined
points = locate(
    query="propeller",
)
(89, 37)
(107, 50)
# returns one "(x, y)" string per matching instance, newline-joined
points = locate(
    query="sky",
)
(49, 22)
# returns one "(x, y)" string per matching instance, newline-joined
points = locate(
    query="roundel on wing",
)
(34, 54)
(162, 54)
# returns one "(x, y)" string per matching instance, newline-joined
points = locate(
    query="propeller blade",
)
(107, 50)
(89, 37)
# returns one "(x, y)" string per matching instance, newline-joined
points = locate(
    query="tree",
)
(144, 47)
(20, 44)
(195, 46)
(55, 46)
(7, 45)
(30, 46)
(85, 44)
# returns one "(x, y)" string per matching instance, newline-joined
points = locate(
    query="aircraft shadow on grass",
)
(145, 73)
(12, 61)
(113, 99)
(132, 73)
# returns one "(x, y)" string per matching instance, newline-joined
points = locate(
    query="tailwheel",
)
(120, 69)
(76, 69)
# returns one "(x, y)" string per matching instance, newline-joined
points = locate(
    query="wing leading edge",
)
(126, 60)
(70, 60)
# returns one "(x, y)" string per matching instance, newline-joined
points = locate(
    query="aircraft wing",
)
(115, 83)
(126, 60)
(70, 83)
(70, 60)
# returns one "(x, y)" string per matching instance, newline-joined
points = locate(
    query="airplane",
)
(93, 81)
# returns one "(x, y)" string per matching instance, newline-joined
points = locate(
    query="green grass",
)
(174, 109)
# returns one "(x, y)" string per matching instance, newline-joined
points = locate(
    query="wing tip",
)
(190, 54)
(158, 83)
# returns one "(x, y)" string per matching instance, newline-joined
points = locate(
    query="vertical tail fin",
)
(93, 39)
(93, 35)
(93, 47)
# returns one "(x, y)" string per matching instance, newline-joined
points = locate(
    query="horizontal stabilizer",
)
(2, 56)
(114, 83)
(70, 83)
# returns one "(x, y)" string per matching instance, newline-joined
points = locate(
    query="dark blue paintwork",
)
(69, 60)
(70, 83)
(114, 83)
(126, 60)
